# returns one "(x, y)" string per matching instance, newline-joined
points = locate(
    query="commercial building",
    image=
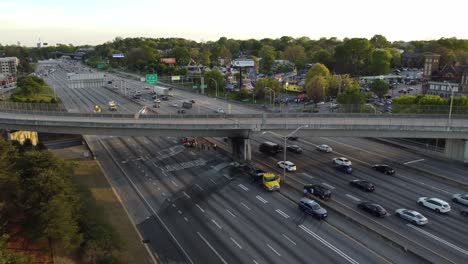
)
(8, 66)
(441, 81)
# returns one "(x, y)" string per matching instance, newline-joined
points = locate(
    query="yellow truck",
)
(269, 181)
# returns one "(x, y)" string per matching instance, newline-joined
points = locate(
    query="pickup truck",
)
(268, 180)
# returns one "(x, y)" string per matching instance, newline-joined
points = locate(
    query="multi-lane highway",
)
(196, 206)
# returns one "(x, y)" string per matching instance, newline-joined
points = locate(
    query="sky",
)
(97, 21)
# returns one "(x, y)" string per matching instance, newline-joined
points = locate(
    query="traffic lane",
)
(392, 200)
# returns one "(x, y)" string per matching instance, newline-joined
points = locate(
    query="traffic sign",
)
(100, 66)
(194, 86)
(205, 86)
(151, 78)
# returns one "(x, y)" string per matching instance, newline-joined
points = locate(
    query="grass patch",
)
(89, 175)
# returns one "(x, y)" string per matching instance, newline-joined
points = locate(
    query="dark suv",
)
(373, 208)
(385, 169)
(294, 148)
(317, 190)
(312, 207)
(363, 185)
(254, 172)
(344, 168)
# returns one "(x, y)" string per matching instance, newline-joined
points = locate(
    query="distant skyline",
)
(95, 22)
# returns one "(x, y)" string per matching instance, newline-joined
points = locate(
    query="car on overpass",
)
(294, 148)
(460, 198)
(385, 169)
(288, 165)
(311, 207)
(341, 161)
(373, 208)
(363, 185)
(436, 204)
(412, 216)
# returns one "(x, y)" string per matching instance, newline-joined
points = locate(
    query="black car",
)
(363, 185)
(293, 138)
(385, 169)
(464, 212)
(164, 98)
(181, 111)
(344, 168)
(373, 208)
(294, 148)
(254, 172)
(317, 190)
(192, 101)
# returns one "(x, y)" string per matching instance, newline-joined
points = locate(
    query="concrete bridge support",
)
(457, 149)
(241, 148)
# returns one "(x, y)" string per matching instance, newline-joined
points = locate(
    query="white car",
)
(412, 216)
(342, 161)
(288, 165)
(435, 204)
(175, 104)
(219, 110)
(460, 198)
(157, 101)
(324, 148)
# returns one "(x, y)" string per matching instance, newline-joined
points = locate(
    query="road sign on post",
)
(194, 86)
(151, 78)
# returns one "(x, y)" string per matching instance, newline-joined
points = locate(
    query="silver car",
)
(460, 198)
(412, 216)
(324, 148)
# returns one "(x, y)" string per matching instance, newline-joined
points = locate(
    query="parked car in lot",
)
(460, 198)
(311, 207)
(286, 164)
(174, 104)
(373, 208)
(181, 111)
(341, 161)
(344, 168)
(294, 148)
(164, 98)
(324, 148)
(436, 204)
(412, 216)
(385, 169)
(219, 110)
(317, 190)
(363, 185)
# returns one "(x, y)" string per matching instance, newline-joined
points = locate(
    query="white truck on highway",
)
(112, 106)
(161, 91)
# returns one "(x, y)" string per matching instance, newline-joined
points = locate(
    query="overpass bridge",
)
(240, 127)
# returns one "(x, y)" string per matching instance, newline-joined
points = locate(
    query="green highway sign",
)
(194, 87)
(205, 86)
(151, 78)
(100, 66)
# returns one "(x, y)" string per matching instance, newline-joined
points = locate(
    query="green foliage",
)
(379, 42)
(242, 94)
(339, 83)
(295, 54)
(381, 60)
(32, 89)
(317, 87)
(353, 56)
(267, 53)
(351, 96)
(262, 85)
(218, 78)
(317, 70)
(9, 256)
(379, 87)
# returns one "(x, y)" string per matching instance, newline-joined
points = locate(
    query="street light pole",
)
(216, 83)
(451, 104)
(285, 138)
(274, 94)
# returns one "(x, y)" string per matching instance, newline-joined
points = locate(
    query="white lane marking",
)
(199, 187)
(173, 182)
(163, 194)
(235, 242)
(193, 154)
(413, 161)
(175, 141)
(185, 218)
(354, 198)
(179, 211)
(188, 196)
(274, 250)
(173, 205)
(213, 181)
(290, 240)
(233, 215)
(226, 176)
(261, 199)
(154, 183)
(439, 239)
(164, 173)
(159, 188)
(307, 175)
(216, 223)
(243, 187)
(199, 207)
(330, 246)
(211, 247)
(245, 206)
(328, 185)
(254, 261)
(282, 213)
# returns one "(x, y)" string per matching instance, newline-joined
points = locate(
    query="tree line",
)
(37, 192)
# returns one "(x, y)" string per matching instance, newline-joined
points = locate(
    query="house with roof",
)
(442, 80)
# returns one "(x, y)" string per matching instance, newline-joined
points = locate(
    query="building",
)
(441, 81)
(8, 66)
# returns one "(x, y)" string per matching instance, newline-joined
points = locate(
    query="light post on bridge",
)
(451, 104)
(216, 85)
(285, 138)
(274, 94)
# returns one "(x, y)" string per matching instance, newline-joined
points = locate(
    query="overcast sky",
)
(98, 21)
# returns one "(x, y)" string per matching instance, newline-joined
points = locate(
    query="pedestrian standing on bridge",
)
(214, 147)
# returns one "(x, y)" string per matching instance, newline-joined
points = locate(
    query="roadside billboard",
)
(243, 63)
(168, 60)
(175, 78)
(118, 55)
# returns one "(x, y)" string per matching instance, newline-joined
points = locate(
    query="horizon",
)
(94, 23)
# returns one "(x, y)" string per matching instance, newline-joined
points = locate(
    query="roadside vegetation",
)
(37, 194)
(32, 89)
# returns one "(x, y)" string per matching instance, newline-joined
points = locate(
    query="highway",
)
(196, 206)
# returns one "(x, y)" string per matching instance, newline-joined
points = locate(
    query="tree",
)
(218, 78)
(182, 55)
(381, 60)
(351, 96)
(379, 42)
(205, 57)
(261, 86)
(317, 70)
(379, 87)
(353, 56)
(324, 57)
(316, 88)
(267, 53)
(295, 54)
